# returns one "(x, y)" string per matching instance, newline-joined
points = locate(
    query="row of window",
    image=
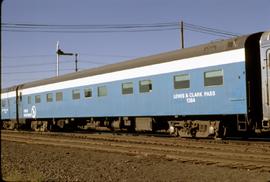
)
(49, 97)
(182, 81)
(211, 78)
(127, 88)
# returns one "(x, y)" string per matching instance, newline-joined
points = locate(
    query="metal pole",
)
(57, 59)
(76, 62)
(182, 34)
(60, 52)
(57, 66)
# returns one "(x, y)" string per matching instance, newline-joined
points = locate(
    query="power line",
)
(209, 33)
(106, 55)
(27, 56)
(93, 62)
(33, 65)
(28, 65)
(209, 30)
(89, 31)
(63, 62)
(81, 54)
(16, 27)
(36, 71)
(111, 28)
(45, 64)
(92, 26)
(105, 28)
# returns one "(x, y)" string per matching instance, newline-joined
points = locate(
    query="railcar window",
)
(3, 103)
(20, 96)
(268, 61)
(49, 97)
(213, 78)
(37, 99)
(76, 94)
(145, 86)
(29, 100)
(181, 81)
(127, 88)
(87, 92)
(102, 91)
(59, 96)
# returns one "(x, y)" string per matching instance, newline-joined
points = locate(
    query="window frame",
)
(29, 99)
(141, 89)
(206, 84)
(37, 99)
(175, 82)
(59, 96)
(126, 91)
(98, 91)
(76, 94)
(49, 99)
(91, 93)
(3, 102)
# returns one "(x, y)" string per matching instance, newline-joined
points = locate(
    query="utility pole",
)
(76, 62)
(182, 34)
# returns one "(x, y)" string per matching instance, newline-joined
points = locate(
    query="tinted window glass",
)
(37, 99)
(49, 97)
(181, 81)
(145, 86)
(76, 94)
(59, 96)
(3, 103)
(102, 91)
(29, 100)
(127, 88)
(88, 92)
(212, 78)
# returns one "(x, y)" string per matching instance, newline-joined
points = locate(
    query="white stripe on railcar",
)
(8, 95)
(215, 59)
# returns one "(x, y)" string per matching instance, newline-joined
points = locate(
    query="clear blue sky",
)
(28, 56)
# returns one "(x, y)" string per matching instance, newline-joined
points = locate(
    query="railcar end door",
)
(265, 69)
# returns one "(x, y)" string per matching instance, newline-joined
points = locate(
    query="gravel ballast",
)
(26, 162)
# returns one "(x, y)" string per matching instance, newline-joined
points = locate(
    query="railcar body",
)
(213, 89)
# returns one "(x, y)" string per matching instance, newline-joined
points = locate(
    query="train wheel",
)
(9, 125)
(174, 131)
(34, 125)
(5, 125)
(60, 124)
(193, 133)
(39, 125)
(44, 126)
(222, 132)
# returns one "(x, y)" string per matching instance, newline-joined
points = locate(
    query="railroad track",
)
(232, 154)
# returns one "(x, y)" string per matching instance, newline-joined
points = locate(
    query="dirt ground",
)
(28, 162)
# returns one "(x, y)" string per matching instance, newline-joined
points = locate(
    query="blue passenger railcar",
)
(201, 91)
